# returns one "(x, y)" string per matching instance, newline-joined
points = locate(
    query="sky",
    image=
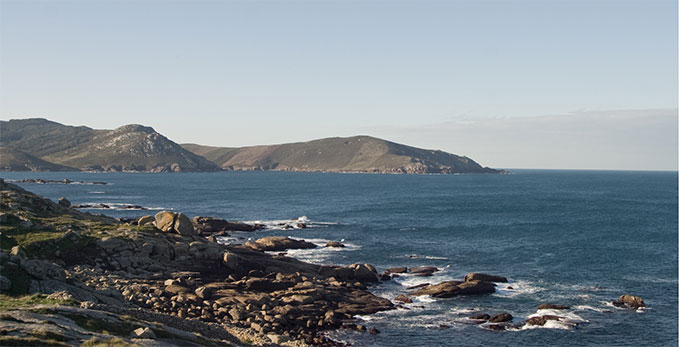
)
(511, 84)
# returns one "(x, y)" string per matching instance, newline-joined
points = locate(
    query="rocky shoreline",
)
(163, 278)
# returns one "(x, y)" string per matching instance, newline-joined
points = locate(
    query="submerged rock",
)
(335, 244)
(552, 307)
(541, 320)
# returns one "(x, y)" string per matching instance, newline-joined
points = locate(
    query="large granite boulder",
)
(183, 225)
(164, 221)
(167, 221)
(278, 243)
(145, 220)
(364, 272)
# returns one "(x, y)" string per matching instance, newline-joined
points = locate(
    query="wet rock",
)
(496, 327)
(423, 270)
(397, 270)
(541, 320)
(500, 318)
(364, 272)
(474, 276)
(334, 244)
(548, 306)
(63, 202)
(443, 326)
(278, 243)
(630, 301)
(418, 286)
(480, 316)
(373, 331)
(476, 288)
(403, 298)
(213, 225)
(445, 289)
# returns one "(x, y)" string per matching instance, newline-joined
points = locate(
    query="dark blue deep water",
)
(580, 238)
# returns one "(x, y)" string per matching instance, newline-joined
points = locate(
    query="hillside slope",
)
(15, 160)
(351, 154)
(127, 148)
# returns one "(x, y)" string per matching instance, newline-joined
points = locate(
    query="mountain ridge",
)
(39, 144)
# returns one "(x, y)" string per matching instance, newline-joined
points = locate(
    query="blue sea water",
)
(579, 238)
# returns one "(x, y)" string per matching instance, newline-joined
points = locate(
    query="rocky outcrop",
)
(211, 225)
(629, 301)
(64, 202)
(278, 243)
(450, 289)
(541, 320)
(334, 244)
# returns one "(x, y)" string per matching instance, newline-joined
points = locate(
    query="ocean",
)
(578, 238)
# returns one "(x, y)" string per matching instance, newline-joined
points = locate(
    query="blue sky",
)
(234, 73)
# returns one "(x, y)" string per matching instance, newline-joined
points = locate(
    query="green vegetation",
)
(8, 302)
(30, 341)
(39, 143)
(350, 154)
(108, 327)
(113, 342)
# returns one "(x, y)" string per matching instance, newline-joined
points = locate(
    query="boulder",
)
(278, 243)
(552, 307)
(334, 244)
(397, 270)
(364, 272)
(204, 292)
(476, 288)
(18, 251)
(143, 333)
(43, 269)
(164, 221)
(403, 298)
(500, 318)
(64, 202)
(183, 225)
(627, 300)
(423, 270)
(473, 276)
(541, 320)
(5, 283)
(445, 289)
(145, 220)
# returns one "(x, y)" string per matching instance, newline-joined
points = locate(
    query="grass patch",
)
(29, 341)
(122, 328)
(14, 302)
(113, 342)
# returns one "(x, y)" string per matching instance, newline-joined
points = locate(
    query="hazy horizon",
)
(554, 85)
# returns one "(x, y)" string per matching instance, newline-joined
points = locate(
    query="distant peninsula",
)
(42, 145)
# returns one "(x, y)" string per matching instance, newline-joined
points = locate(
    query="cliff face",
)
(127, 148)
(351, 154)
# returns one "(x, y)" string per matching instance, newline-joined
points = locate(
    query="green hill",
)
(351, 154)
(15, 160)
(128, 148)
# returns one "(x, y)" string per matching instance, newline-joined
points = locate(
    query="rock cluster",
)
(167, 221)
(629, 301)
